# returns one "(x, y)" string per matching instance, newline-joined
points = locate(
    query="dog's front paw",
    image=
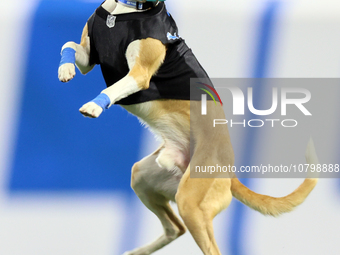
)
(66, 72)
(91, 110)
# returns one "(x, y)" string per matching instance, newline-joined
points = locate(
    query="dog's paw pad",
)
(66, 72)
(91, 110)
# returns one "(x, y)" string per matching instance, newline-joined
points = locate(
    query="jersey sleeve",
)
(94, 59)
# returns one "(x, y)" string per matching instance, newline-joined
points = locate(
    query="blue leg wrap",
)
(102, 100)
(68, 55)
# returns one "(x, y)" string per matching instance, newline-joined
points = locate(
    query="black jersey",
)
(111, 35)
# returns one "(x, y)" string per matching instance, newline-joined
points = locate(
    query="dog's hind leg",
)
(155, 187)
(199, 201)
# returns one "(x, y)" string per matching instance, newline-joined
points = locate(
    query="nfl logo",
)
(111, 21)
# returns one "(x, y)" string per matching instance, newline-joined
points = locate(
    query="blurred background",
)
(65, 179)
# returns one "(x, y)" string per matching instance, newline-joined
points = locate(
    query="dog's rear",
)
(165, 174)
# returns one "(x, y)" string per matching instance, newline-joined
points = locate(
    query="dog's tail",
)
(275, 206)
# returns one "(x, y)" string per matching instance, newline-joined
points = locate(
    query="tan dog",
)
(165, 174)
